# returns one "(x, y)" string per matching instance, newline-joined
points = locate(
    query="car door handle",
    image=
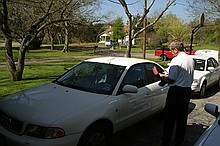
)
(164, 89)
(150, 94)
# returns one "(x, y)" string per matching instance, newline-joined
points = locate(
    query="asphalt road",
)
(149, 131)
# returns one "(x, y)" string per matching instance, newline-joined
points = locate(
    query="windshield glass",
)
(199, 64)
(93, 77)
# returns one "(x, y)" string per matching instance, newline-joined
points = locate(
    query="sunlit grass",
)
(34, 74)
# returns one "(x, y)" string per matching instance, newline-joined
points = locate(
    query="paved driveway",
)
(148, 132)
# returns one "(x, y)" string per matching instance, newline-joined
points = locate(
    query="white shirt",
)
(181, 70)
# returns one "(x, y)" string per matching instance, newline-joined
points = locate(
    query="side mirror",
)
(130, 89)
(212, 109)
(211, 69)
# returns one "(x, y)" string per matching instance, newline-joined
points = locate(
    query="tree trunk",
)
(52, 42)
(128, 51)
(9, 58)
(21, 59)
(66, 44)
(16, 75)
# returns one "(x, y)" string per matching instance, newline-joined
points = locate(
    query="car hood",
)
(46, 103)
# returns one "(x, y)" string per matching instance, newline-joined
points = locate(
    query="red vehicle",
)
(165, 53)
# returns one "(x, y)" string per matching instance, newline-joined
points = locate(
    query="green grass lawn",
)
(34, 74)
(37, 73)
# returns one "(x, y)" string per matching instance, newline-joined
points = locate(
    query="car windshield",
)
(199, 64)
(92, 77)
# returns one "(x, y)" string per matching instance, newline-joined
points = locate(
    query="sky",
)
(179, 8)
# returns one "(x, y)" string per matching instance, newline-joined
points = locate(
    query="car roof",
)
(205, 54)
(122, 61)
(198, 56)
(202, 57)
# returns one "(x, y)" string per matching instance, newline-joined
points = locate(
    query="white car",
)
(211, 136)
(207, 72)
(85, 106)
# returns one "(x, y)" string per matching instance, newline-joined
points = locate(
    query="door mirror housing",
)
(130, 89)
(211, 69)
(212, 109)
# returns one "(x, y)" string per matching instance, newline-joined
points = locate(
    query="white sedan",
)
(85, 106)
(206, 74)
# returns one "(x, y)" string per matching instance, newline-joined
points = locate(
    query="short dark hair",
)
(176, 44)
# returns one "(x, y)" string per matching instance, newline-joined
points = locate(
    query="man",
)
(180, 78)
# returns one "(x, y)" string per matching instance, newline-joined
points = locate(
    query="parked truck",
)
(165, 53)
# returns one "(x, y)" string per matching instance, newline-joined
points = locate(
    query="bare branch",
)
(127, 4)
(40, 20)
(158, 18)
(146, 11)
(51, 22)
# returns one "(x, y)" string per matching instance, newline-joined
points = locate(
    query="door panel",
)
(137, 106)
(134, 106)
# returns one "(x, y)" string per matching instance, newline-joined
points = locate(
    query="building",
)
(105, 36)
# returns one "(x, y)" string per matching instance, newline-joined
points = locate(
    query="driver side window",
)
(135, 76)
(209, 63)
(151, 77)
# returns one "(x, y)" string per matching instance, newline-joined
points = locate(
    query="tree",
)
(52, 33)
(25, 20)
(131, 34)
(171, 27)
(78, 13)
(118, 29)
(210, 32)
(209, 7)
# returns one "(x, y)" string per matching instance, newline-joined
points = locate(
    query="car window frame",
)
(143, 65)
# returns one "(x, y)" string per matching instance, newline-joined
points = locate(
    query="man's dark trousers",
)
(176, 111)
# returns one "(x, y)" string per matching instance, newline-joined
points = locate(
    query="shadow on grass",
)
(76, 48)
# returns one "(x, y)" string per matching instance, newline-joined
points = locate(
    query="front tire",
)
(97, 135)
(202, 90)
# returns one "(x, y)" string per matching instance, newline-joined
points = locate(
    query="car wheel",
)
(163, 57)
(202, 90)
(97, 135)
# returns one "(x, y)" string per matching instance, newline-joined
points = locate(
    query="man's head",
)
(176, 46)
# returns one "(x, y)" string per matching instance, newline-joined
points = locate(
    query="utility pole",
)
(144, 32)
